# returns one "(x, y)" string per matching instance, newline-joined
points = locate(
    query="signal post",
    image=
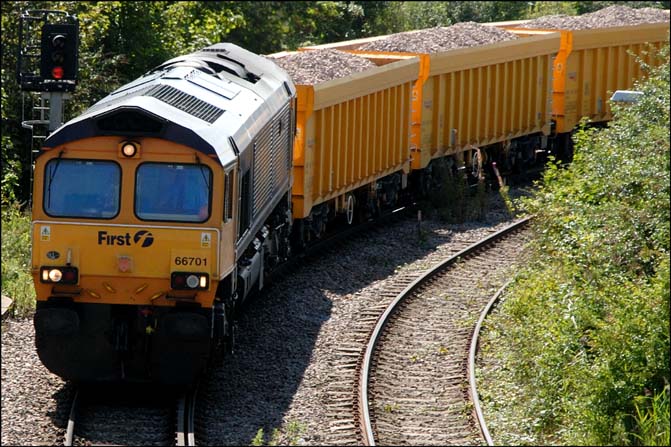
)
(47, 63)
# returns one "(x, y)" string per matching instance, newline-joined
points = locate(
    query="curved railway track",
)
(413, 382)
(472, 352)
(100, 416)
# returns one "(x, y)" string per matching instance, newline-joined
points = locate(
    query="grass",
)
(17, 282)
(292, 432)
(652, 419)
(390, 408)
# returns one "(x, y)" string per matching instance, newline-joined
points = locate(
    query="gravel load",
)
(438, 39)
(612, 16)
(314, 67)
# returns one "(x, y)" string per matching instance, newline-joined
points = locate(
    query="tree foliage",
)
(120, 40)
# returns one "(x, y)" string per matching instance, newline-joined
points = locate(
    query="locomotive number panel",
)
(185, 259)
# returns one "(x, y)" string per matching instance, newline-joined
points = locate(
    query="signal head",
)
(59, 52)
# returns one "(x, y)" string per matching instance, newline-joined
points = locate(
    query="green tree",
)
(541, 9)
(427, 14)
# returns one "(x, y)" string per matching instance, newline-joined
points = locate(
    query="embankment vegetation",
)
(579, 349)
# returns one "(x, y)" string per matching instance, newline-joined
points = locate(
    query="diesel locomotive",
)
(155, 211)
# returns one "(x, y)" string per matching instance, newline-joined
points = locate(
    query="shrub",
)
(586, 325)
(17, 282)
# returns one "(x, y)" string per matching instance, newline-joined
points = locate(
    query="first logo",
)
(143, 238)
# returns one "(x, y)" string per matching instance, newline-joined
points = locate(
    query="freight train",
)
(160, 209)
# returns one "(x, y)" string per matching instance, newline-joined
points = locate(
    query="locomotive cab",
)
(126, 258)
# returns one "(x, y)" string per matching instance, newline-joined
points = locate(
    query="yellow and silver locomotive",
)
(155, 213)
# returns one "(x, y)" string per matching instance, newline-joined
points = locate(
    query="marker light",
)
(70, 276)
(178, 282)
(63, 275)
(129, 149)
(189, 281)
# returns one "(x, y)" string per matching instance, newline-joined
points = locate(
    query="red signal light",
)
(179, 281)
(57, 72)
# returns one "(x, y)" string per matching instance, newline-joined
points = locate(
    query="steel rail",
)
(186, 411)
(364, 411)
(471, 364)
(190, 423)
(70, 431)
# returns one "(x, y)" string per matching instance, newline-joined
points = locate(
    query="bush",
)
(17, 282)
(652, 419)
(586, 325)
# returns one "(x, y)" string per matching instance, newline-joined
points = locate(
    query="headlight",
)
(189, 281)
(60, 275)
(55, 275)
(192, 281)
(129, 149)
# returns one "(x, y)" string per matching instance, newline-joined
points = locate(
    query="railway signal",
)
(59, 53)
(46, 63)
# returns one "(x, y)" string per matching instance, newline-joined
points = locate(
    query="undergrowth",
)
(17, 282)
(579, 349)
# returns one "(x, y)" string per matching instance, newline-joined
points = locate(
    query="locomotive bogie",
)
(108, 343)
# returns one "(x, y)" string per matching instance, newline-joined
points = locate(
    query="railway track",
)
(185, 420)
(341, 399)
(100, 416)
(413, 381)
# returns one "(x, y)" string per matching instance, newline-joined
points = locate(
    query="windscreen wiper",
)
(51, 177)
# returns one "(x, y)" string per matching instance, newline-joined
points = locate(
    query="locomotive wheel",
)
(223, 345)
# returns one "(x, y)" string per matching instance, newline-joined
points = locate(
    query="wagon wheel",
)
(477, 164)
(350, 209)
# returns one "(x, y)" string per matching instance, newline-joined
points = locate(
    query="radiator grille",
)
(272, 159)
(185, 102)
